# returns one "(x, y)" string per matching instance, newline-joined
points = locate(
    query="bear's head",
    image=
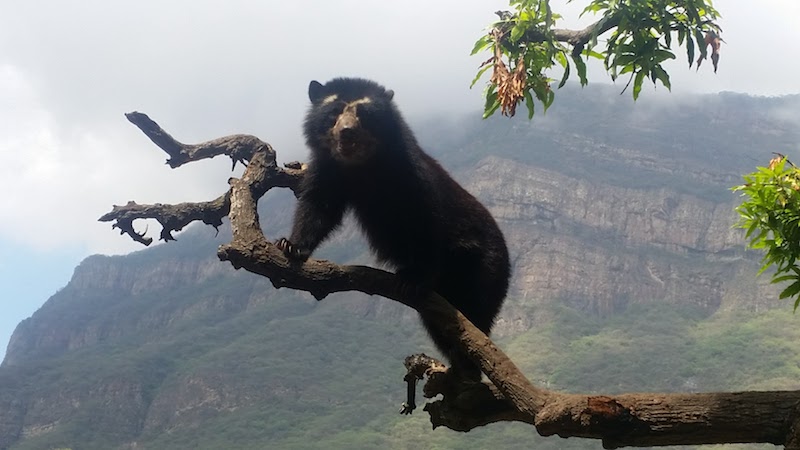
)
(350, 119)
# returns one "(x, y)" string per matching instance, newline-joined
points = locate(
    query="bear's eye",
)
(333, 109)
(334, 113)
(365, 109)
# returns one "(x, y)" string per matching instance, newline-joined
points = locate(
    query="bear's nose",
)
(347, 132)
(347, 122)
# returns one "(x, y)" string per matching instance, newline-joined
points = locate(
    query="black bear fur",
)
(364, 158)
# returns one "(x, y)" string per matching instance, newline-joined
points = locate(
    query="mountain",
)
(628, 276)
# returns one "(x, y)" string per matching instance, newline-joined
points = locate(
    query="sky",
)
(204, 69)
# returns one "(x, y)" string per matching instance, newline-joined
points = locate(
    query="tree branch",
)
(621, 420)
(240, 148)
(577, 38)
(251, 251)
(171, 217)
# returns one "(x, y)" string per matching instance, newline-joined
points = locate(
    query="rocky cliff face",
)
(595, 230)
(601, 246)
(119, 281)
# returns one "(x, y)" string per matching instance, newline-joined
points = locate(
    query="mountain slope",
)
(627, 276)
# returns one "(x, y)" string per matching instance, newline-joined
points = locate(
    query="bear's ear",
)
(315, 91)
(389, 94)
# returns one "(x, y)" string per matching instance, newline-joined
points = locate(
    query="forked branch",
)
(240, 148)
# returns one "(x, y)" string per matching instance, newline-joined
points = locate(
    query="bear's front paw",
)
(292, 251)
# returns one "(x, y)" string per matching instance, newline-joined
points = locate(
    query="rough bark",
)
(647, 419)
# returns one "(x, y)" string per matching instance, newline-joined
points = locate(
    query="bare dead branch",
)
(174, 218)
(239, 147)
(463, 406)
(418, 366)
(171, 217)
(621, 420)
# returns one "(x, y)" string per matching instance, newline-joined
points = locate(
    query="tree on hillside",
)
(524, 46)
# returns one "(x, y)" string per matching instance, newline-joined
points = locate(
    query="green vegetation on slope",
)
(665, 348)
(331, 380)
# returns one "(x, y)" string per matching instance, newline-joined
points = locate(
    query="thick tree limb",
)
(620, 420)
(793, 439)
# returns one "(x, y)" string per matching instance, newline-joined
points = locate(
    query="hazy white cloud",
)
(68, 71)
(58, 180)
(202, 69)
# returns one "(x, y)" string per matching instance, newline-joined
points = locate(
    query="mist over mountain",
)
(628, 276)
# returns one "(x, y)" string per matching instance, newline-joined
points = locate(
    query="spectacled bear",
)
(365, 159)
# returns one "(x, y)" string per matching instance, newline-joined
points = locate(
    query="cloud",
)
(204, 69)
(58, 180)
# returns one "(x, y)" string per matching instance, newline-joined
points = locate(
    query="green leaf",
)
(481, 44)
(491, 110)
(564, 77)
(594, 7)
(784, 278)
(581, 66)
(637, 84)
(529, 104)
(661, 55)
(517, 32)
(492, 103)
(690, 50)
(480, 74)
(548, 17)
(698, 34)
(549, 98)
(662, 76)
(624, 60)
(750, 229)
(691, 11)
(593, 54)
(561, 59)
(790, 291)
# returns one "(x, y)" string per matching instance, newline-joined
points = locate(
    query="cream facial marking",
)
(329, 99)
(361, 101)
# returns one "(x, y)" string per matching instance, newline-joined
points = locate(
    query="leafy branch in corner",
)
(770, 213)
(525, 47)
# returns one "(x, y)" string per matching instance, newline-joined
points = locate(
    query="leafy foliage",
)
(527, 60)
(771, 215)
(525, 46)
